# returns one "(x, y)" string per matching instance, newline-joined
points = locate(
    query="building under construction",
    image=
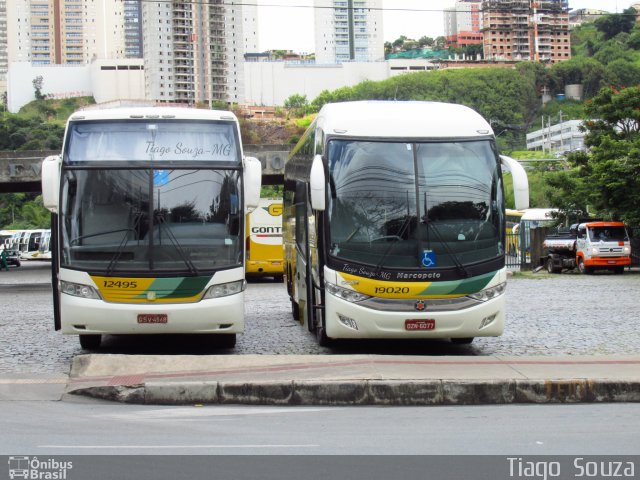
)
(521, 30)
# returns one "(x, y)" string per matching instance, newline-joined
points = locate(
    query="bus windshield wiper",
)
(461, 268)
(116, 256)
(395, 238)
(161, 223)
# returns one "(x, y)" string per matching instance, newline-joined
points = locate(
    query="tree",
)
(607, 178)
(426, 41)
(398, 44)
(37, 87)
(612, 25)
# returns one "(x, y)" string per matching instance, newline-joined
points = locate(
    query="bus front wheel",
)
(90, 342)
(225, 340)
(462, 341)
(321, 337)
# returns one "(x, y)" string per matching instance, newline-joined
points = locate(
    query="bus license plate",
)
(420, 324)
(153, 318)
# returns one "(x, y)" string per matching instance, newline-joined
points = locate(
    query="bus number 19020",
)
(392, 290)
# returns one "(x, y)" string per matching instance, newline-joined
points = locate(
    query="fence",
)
(525, 253)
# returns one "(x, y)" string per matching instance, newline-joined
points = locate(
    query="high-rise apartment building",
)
(462, 23)
(68, 32)
(133, 29)
(4, 59)
(193, 51)
(526, 30)
(348, 30)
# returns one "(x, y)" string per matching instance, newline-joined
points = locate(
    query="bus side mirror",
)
(252, 183)
(520, 181)
(317, 183)
(51, 182)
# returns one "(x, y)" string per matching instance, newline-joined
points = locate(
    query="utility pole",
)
(561, 133)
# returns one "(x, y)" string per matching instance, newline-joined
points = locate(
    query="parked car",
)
(13, 258)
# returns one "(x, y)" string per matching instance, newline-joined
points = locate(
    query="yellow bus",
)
(264, 240)
(512, 218)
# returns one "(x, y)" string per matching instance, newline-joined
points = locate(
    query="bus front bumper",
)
(89, 316)
(349, 320)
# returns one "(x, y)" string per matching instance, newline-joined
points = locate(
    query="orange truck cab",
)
(602, 245)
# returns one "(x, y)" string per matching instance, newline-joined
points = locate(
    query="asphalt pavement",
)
(355, 379)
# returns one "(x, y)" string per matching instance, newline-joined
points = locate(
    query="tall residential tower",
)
(47, 32)
(348, 31)
(193, 51)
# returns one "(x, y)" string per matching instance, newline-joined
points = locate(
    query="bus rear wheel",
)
(295, 310)
(90, 342)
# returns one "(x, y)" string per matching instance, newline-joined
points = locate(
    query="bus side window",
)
(300, 204)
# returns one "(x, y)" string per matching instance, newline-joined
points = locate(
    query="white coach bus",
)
(148, 224)
(394, 223)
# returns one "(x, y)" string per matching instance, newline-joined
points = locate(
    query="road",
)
(93, 428)
(566, 314)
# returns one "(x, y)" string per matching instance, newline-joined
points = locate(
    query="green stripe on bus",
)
(460, 287)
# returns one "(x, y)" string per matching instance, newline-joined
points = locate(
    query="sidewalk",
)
(355, 379)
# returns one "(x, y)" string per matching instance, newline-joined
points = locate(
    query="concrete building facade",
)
(104, 80)
(133, 47)
(516, 30)
(193, 51)
(71, 32)
(463, 22)
(348, 31)
(561, 138)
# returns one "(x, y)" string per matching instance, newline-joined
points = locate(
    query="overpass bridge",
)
(20, 170)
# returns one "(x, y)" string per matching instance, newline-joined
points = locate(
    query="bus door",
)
(302, 276)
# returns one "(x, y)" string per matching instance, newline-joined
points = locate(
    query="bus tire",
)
(462, 341)
(618, 270)
(321, 337)
(225, 340)
(295, 310)
(90, 342)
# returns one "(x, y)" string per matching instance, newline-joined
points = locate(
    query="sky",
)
(288, 24)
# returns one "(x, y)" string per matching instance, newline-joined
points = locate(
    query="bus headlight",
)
(79, 290)
(489, 293)
(345, 294)
(627, 250)
(225, 289)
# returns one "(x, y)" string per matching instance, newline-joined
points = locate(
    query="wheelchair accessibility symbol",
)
(428, 259)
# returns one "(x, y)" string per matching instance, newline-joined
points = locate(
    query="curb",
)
(369, 392)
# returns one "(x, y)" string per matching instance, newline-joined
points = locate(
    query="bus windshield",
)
(415, 205)
(117, 220)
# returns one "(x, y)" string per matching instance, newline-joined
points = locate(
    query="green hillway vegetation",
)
(603, 182)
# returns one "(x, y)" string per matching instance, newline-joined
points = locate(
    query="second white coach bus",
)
(394, 223)
(148, 225)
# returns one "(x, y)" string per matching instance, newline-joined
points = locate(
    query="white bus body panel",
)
(95, 316)
(378, 324)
